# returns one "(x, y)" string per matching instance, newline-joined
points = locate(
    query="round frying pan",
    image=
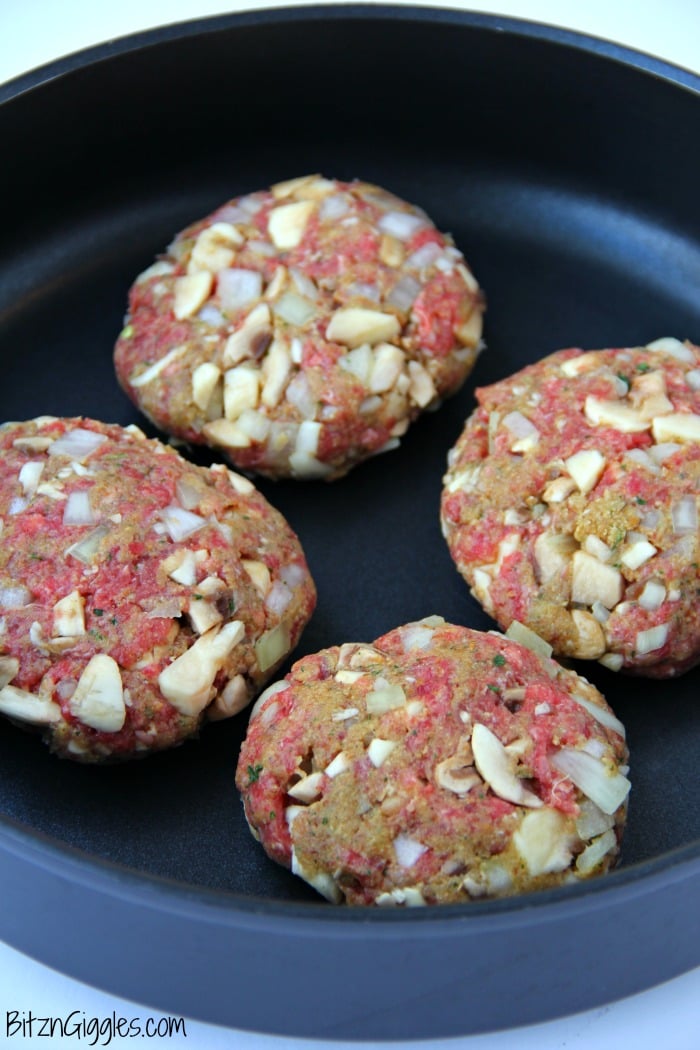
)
(566, 170)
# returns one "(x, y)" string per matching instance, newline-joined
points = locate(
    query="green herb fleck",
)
(253, 773)
(493, 688)
(618, 538)
(198, 597)
(97, 635)
(231, 605)
(499, 660)
(643, 367)
(324, 820)
(98, 612)
(640, 500)
(623, 378)
(128, 331)
(271, 814)
(114, 621)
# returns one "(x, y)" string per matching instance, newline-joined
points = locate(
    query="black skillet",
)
(567, 170)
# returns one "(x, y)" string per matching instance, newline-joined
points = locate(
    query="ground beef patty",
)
(570, 504)
(301, 329)
(138, 594)
(436, 765)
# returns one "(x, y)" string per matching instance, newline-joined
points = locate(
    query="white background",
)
(33, 32)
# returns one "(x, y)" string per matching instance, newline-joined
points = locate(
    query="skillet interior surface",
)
(566, 174)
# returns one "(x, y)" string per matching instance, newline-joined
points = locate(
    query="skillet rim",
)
(112, 879)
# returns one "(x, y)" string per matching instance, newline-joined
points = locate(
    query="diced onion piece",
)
(586, 467)
(379, 750)
(591, 821)
(333, 207)
(652, 639)
(347, 712)
(346, 677)
(237, 288)
(85, 550)
(596, 547)
(278, 598)
(340, 764)
(384, 697)
(593, 580)
(168, 609)
(303, 284)
(180, 523)
(15, 597)
(653, 596)
(526, 433)
(401, 224)
(661, 452)
(29, 476)
(305, 465)
(272, 646)
(684, 514)
(424, 256)
(638, 455)
(404, 293)
(518, 632)
(308, 437)
(592, 777)
(553, 554)
(77, 444)
(676, 426)
(601, 714)
(300, 395)
(77, 509)
(416, 636)
(308, 789)
(294, 308)
(189, 493)
(596, 851)
(673, 347)
(359, 362)
(17, 505)
(692, 378)
(637, 553)
(408, 850)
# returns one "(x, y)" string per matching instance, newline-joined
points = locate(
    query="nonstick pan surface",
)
(566, 170)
